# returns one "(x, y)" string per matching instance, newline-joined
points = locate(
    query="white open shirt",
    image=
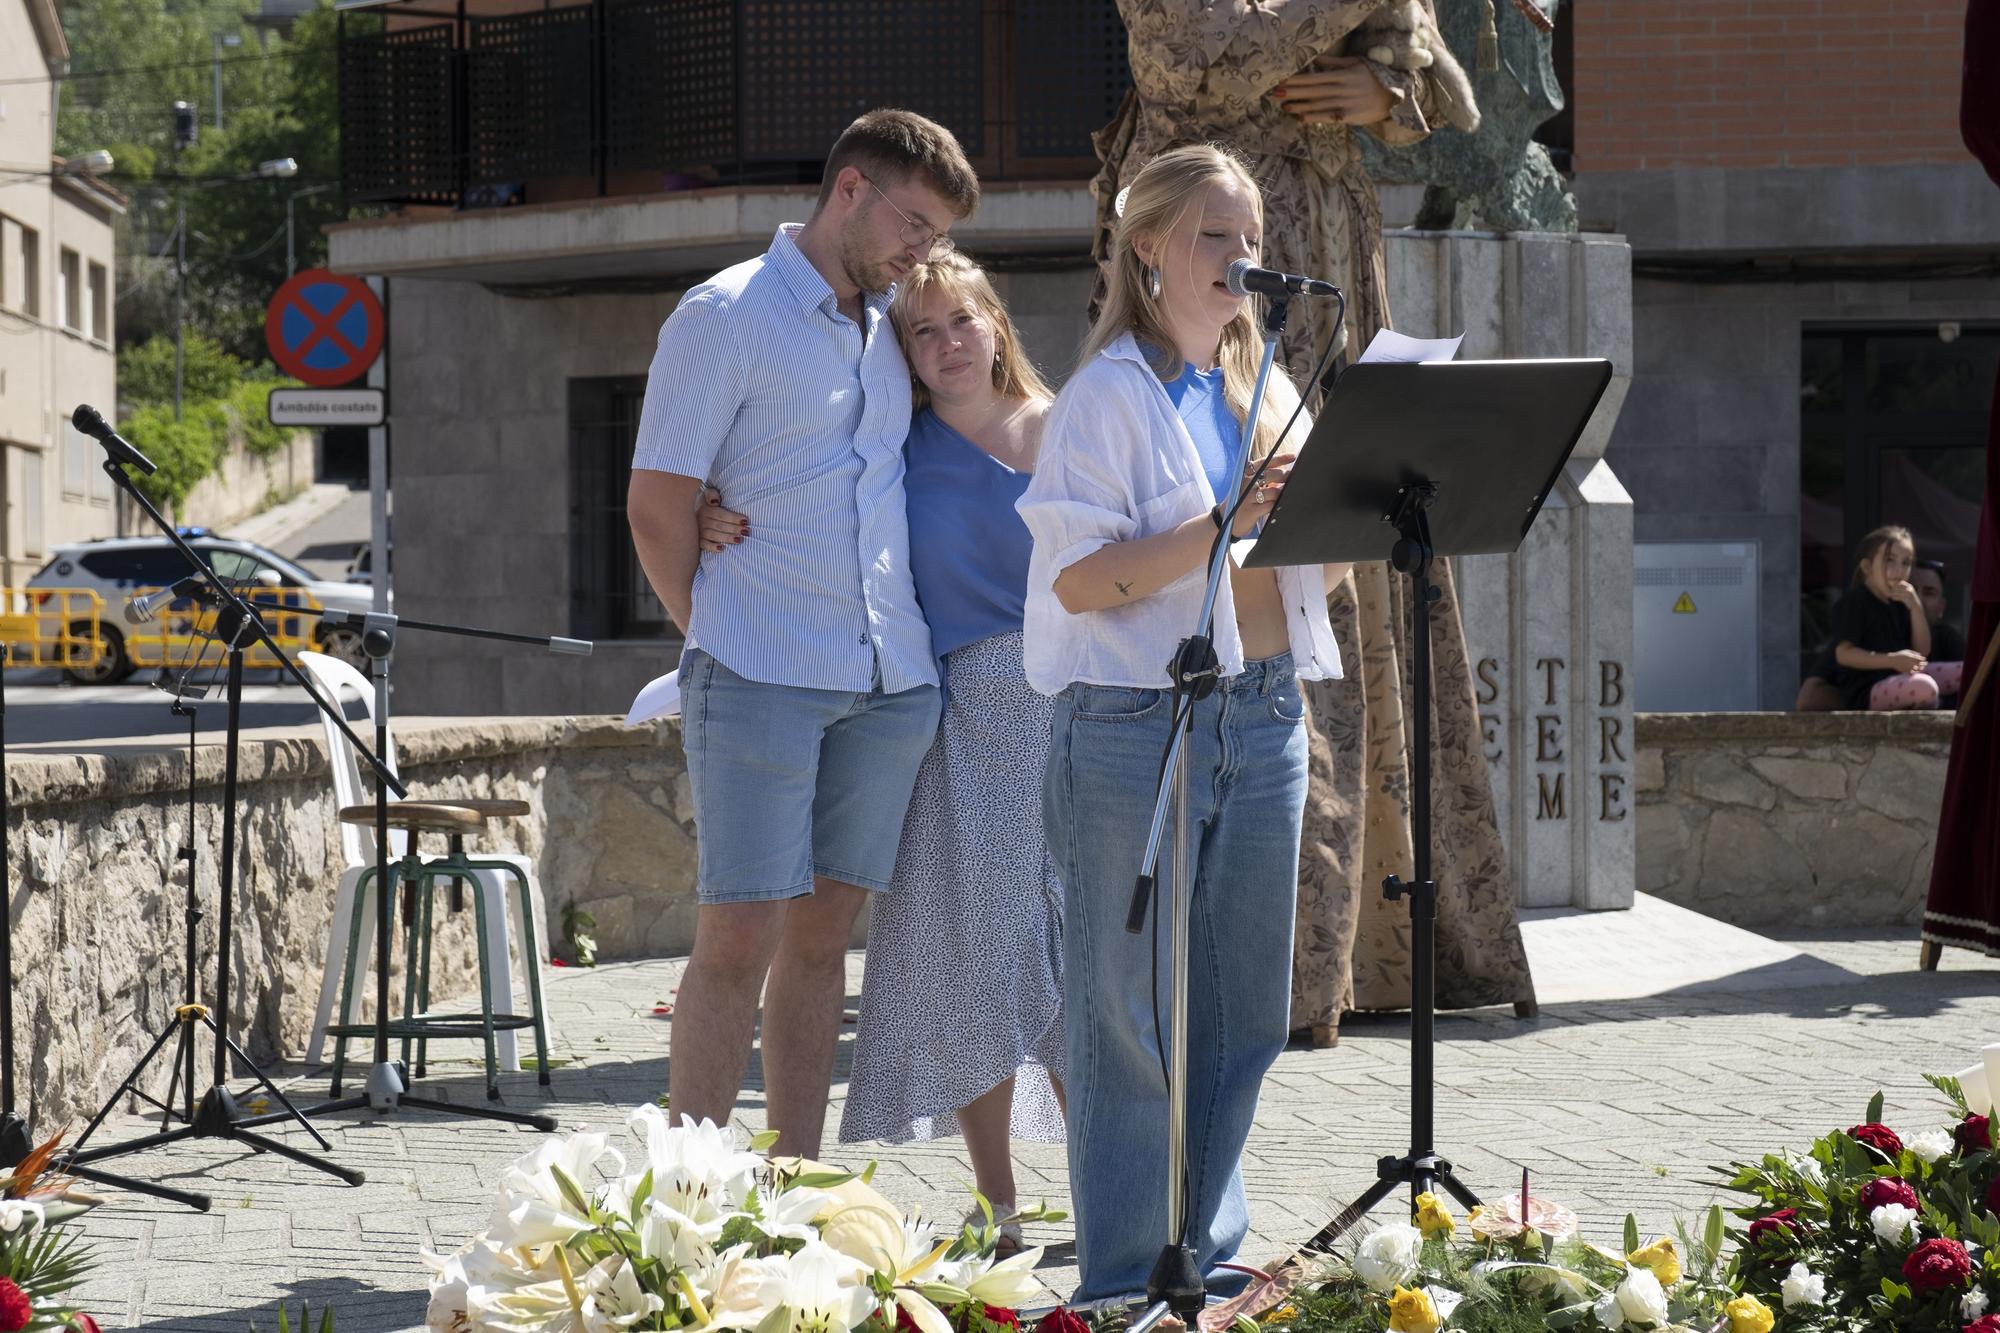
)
(1115, 464)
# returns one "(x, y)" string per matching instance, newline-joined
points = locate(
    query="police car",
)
(117, 567)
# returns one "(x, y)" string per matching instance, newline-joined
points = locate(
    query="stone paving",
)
(1614, 1104)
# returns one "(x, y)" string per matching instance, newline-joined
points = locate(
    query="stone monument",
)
(1549, 627)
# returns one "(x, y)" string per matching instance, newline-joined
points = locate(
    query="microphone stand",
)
(1175, 1285)
(384, 1089)
(217, 1115)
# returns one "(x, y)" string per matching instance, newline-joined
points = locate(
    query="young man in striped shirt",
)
(809, 694)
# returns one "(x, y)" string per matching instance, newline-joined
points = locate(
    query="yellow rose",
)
(1747, 1314)
(1660, 1258)
(1415, 1312)
(1432, 1217)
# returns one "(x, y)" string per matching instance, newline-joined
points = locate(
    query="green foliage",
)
(222, 400)
(183, 452)
(579, 931)
(279, 100)
(48, 1263)
(285, 1320)
(146, 371)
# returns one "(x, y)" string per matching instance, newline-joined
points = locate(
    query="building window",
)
(609, 596)
(30, 302)
(31, 502)
(77, 449)
(69, 294)
(100, 305)
(18, 268)
(1892, 430)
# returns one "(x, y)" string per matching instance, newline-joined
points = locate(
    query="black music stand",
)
(1453, 458)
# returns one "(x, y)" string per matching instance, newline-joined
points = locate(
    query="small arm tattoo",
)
(1124, 589)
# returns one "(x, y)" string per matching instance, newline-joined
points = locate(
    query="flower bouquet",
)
(1516, 1266)
(1868, 1231)
(39, 1262)
(702, 1232)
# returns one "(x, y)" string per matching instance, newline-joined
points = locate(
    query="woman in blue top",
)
(968, 940)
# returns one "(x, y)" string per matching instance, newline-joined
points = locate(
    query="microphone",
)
(1246, 279)
(88, 420)
(142, 609)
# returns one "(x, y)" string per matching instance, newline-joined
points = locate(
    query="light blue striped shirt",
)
(762, 387)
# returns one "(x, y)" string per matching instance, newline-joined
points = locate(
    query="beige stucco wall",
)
(53, 490)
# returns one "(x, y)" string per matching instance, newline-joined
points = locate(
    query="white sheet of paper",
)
(660, 698)
(1389, 345)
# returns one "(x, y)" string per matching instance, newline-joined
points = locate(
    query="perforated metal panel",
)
(399, 103)
(529, 82)
(1694, 627)
(670, 77)
(1070, 73)
(811, 66)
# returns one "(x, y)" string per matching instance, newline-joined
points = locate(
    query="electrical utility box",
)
(1695, 627)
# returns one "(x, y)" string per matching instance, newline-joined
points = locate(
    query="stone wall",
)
(97, 903)
(244, 483)
(1799, 819)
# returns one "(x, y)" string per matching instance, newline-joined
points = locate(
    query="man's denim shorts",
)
(790, 783)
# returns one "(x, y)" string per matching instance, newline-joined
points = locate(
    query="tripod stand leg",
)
(178, 1024)
(299, 1155)
(198, 1202)
(1324, 1239)
(268, 1086)
(541, 1122)
(1457, 1187)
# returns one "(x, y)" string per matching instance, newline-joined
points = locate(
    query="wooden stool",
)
(456, 820)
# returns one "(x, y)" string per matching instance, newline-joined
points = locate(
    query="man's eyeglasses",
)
(918, 235)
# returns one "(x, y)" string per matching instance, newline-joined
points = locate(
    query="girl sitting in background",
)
(1881, 636)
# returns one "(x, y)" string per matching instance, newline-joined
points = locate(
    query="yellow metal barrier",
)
(74, 628)
(182, 628)
(51, 627)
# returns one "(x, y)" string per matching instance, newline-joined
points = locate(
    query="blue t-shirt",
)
(1198, 396)
(968, 545)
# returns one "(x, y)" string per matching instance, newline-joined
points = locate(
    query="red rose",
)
(15, 1311)
(1886, 1189)
(1062, 1319)
(905, 1324)
(1938, 1265)
(83, 1323)
(1990, 1324)
(1879, 1137)
(1001, 1317)
(1974, 1133)
(1778, 1226)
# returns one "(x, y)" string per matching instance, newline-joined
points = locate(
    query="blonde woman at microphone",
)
(1293, 85)
(1125, 505)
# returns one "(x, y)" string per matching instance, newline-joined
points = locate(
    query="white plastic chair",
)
(338, 681)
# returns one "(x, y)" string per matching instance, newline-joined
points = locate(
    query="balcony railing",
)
(635, 96)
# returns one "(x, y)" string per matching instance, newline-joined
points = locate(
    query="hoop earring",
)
(1153, 284)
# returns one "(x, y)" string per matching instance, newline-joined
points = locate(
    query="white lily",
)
(1010, 1283)
(698, 1169)
(734, 1292)
(464, 1284)
(534, 1209)
(789, 1216)
(606, 1299)
(816, 1290)
(675, 1239)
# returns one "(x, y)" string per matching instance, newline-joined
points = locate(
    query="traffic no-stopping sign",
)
(324, 328)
